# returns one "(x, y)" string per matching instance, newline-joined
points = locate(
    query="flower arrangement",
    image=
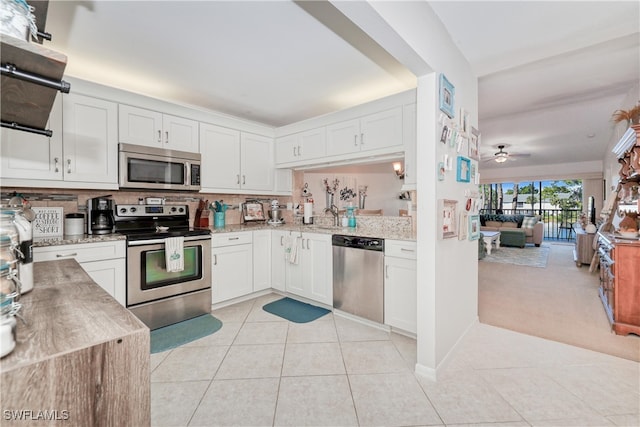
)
(331, 189)
(362, 190)
(632, 116)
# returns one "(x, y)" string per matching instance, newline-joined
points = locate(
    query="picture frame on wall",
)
(474, 227)
(463, 225)
(447, 96)
(474, 144)
(447, 218)
(463, 171)
(252, 212)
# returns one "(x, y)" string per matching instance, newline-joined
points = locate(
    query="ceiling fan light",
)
(501, 158)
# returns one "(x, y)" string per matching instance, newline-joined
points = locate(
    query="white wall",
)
(447, 269)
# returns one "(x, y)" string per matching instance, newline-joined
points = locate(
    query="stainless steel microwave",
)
(157, 168)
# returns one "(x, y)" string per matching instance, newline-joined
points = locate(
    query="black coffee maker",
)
(101, 219)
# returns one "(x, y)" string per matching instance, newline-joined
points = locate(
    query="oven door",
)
(148, 279)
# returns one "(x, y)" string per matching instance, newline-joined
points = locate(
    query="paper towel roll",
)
(308, 213)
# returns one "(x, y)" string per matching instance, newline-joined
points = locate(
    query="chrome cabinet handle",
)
(299, 153)
(55, 164)
(362, 138)
(355, 140)
(68, 165)
(215, 259)
(238, 179)
(294, 152)
(386, 271)
(281, 243)
(406, 250)
(66, 255)
(167, 135)
(243, 180)
(302, 240)
(159, 135)
(234, 238)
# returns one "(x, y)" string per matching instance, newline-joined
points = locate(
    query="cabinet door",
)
(232, 272)
(180, 133)
(139, 126)
(261, 260)
(29, 156)
(343, 137)
(295, 281)
(381, 130)
(89, 141)
(110, 275)
(313, 144)
(317, 267)
(283, 181)
(278, 261)
(220, 150)
(287, 148)
(409, 137)
(256, 160)
(400, 308)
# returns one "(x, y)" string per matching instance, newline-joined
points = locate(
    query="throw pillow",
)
(529, 221)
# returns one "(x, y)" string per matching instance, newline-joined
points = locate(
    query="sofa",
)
(515, 230)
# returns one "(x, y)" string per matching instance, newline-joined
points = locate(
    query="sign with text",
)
(48, 222)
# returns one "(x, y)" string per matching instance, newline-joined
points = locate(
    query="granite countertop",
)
(66, 311)
(382, 233)
(386, 231)
(72, 240)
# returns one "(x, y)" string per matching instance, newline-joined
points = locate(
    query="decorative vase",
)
(361, 199)
(329, 200)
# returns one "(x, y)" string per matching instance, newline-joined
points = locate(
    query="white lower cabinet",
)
(312, 276)
(261, 260)
(232, 265)
(105, 262)
(278, 261)
(400, 307)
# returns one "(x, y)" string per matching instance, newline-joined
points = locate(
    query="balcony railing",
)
(557, 222)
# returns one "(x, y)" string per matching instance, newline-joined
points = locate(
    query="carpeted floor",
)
(559, 302)
(530, 255)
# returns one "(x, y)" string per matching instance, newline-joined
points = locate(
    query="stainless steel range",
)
(156, 296)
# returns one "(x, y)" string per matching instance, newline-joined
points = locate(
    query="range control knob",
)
(133, 209)
(173, 209)
(180, 210)
(123, 210)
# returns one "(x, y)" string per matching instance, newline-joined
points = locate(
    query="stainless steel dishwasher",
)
(358, 276)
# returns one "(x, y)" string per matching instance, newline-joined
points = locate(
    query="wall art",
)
(447, 96)
(463, 225)
(48, 222)
(447, 218)
(463, 172)
(474, 227)
(474, 144)
(441, 171)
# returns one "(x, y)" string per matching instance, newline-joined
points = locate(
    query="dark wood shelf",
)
(23, 102)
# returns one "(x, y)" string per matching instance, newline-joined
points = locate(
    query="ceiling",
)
(550, 73)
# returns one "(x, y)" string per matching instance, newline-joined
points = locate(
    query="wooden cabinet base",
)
(624, 329)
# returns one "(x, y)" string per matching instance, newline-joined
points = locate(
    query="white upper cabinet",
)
(151, 128)
(26, 155)
(90, 142)
(372, 132)
(81, 153)
(302, 146)
(234, 160)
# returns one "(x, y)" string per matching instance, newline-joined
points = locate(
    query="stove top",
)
(147, 222)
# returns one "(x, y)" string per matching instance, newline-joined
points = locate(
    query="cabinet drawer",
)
(230, 239)
(400, 249)
(82, 252)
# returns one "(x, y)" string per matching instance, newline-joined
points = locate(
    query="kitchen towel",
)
(291, 249)
(174, 253)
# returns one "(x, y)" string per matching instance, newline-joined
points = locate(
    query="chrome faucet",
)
(336, 215)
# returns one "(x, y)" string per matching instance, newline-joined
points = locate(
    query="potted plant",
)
(632, 116)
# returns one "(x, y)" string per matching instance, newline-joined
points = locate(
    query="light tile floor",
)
(260, 370)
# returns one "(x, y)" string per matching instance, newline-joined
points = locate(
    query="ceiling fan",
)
(501, 156)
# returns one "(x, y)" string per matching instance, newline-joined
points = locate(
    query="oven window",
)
(154, 171)
(154, 270)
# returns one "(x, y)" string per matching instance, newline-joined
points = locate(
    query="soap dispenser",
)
(352, 216)
(345, 220)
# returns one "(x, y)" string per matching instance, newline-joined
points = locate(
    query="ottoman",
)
(514, 237)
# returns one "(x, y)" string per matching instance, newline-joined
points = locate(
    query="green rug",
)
(530, 256)
(295, 311)
(172, 336)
